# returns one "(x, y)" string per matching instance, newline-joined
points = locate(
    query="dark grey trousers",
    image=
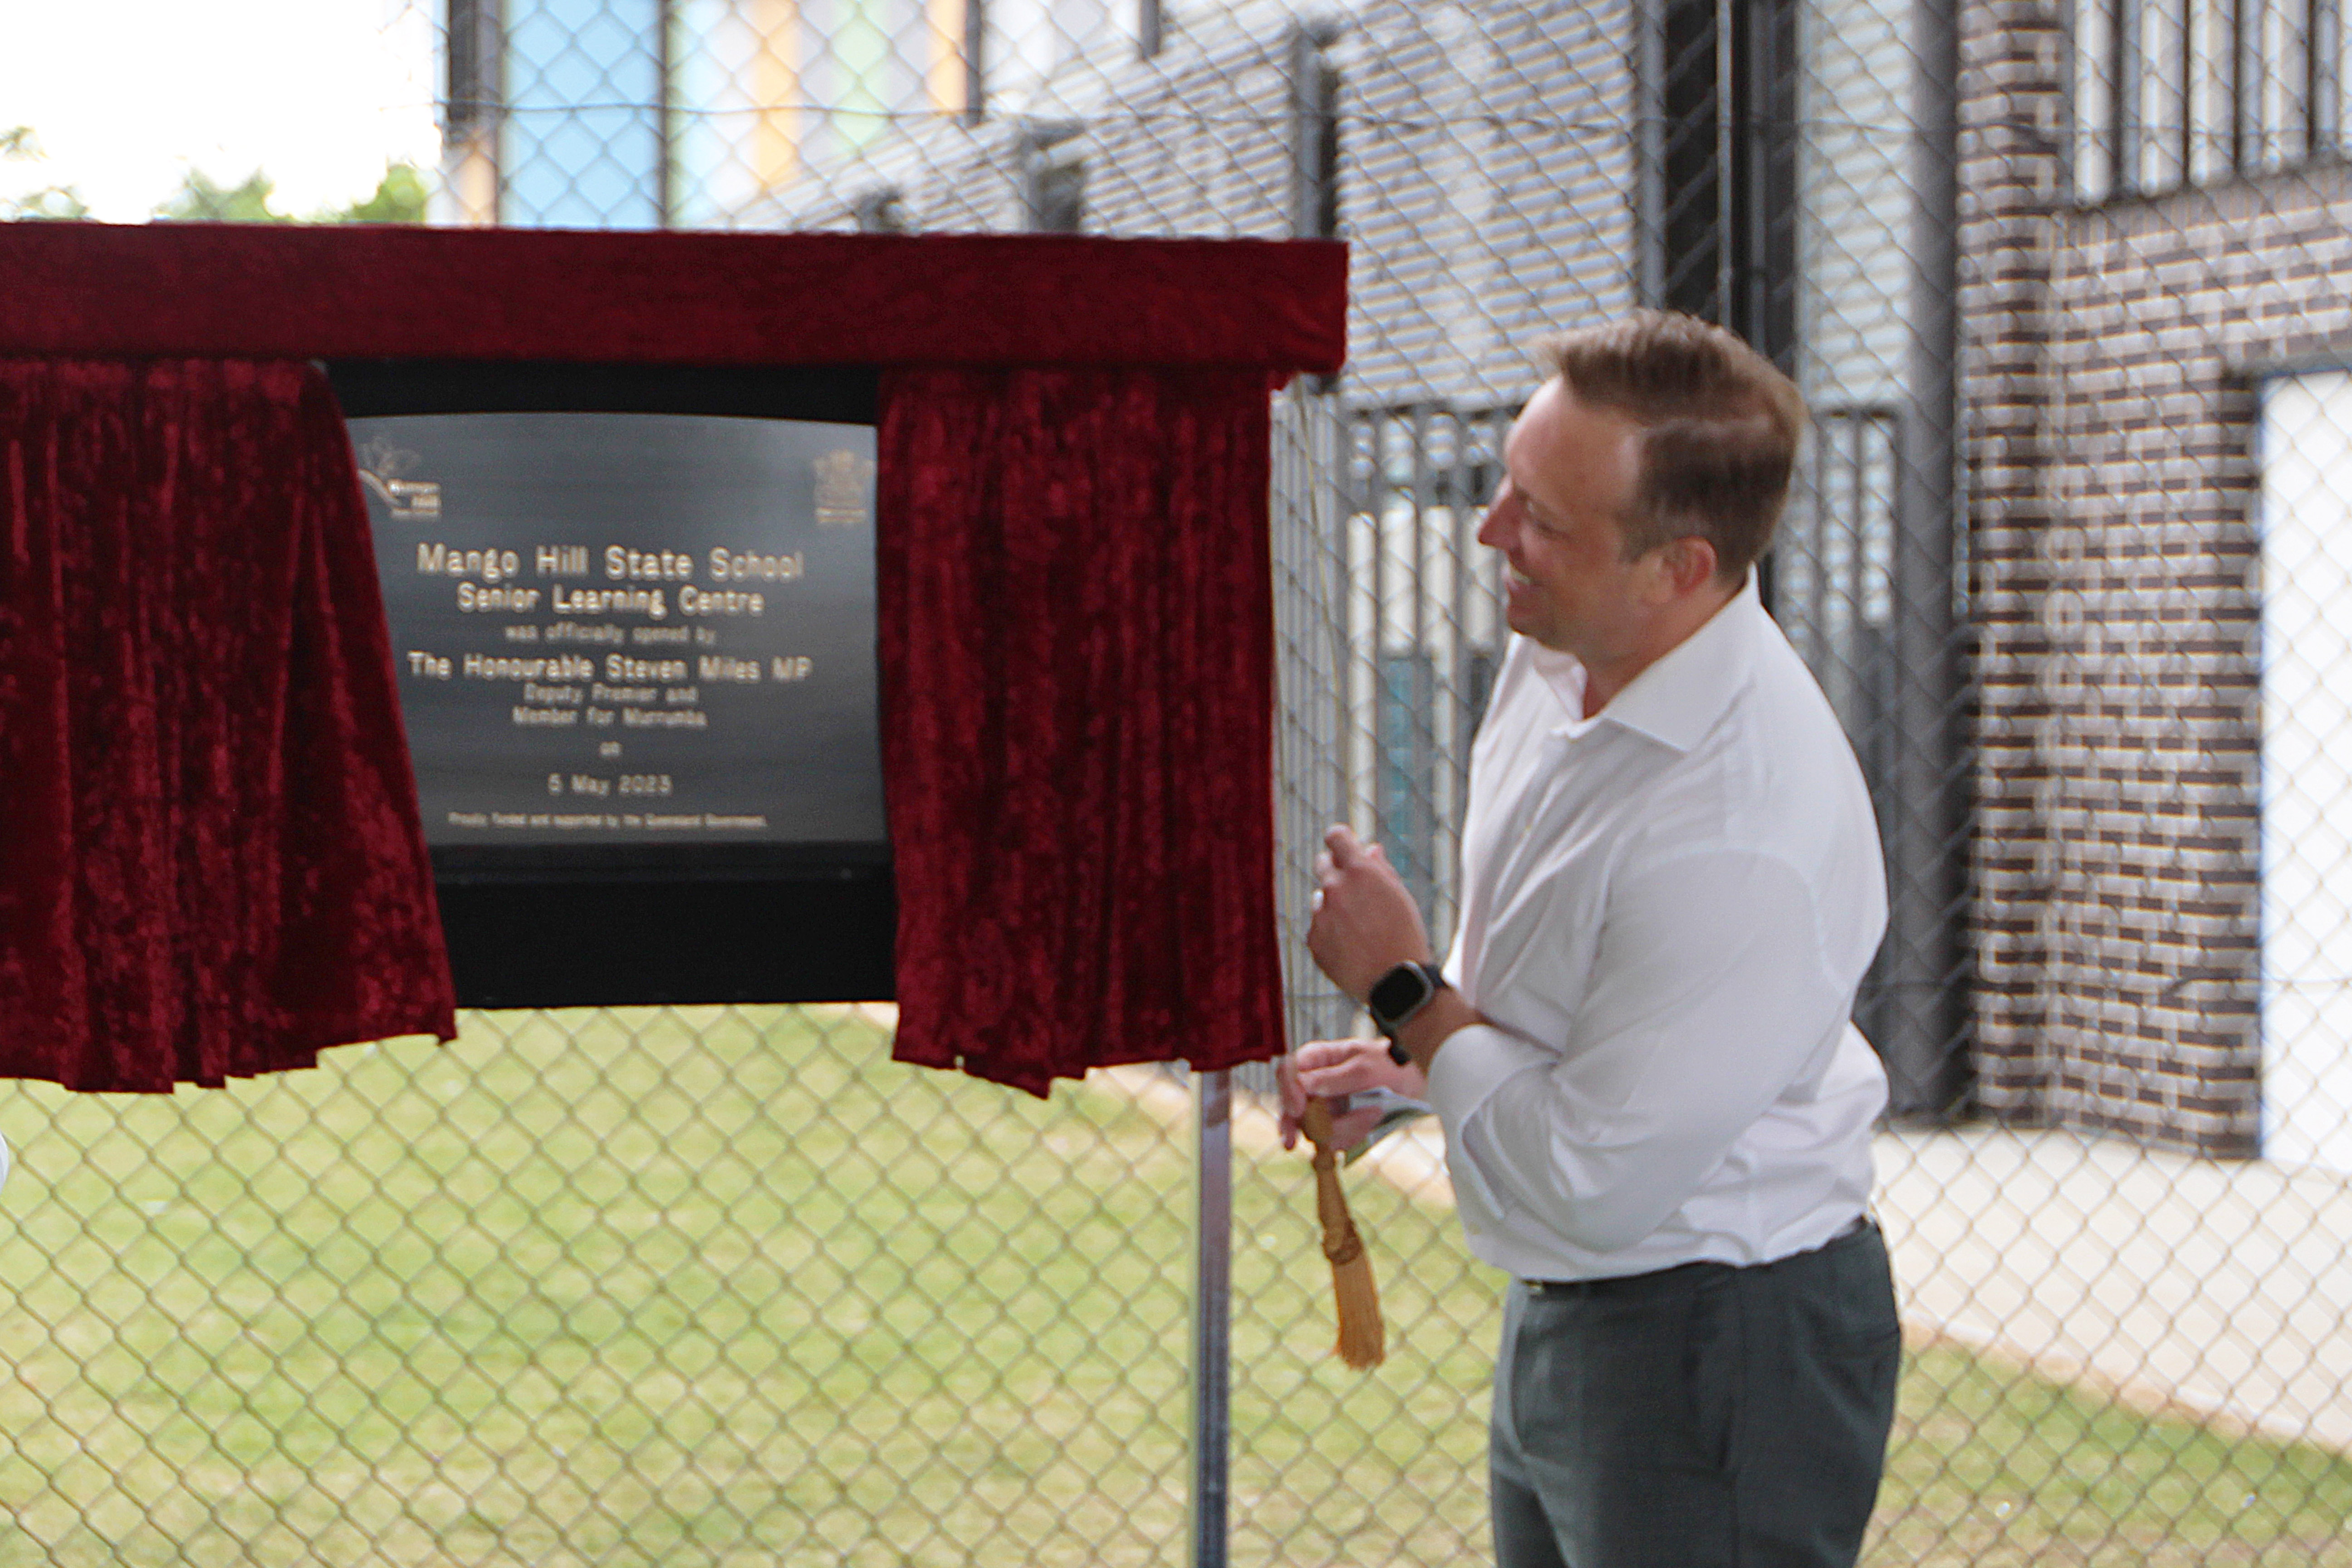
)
(1703, 1417)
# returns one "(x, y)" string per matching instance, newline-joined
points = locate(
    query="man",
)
(1657, 1115)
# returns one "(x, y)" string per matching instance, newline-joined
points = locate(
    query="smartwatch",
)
(1397, 996)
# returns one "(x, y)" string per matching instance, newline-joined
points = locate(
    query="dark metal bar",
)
(2240, 80)
(664, 108)
(2123, 78)
(2188, 172)
(1212, 1241)
(1453, 738)
(1383, 490)
(1314, 143)
(473, 103)
(2315, 86)
(1147, 29)
(1728, 164)
(976, 61)
(1420, 779)
(471, 89)
(1692, 105)
(1650, 151)
(1925, 1033)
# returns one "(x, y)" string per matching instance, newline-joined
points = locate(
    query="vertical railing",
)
(1424, 627)
(1922, 1035)
(1210, 1426)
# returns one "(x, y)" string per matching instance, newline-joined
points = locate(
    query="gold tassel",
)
(1362, 1340)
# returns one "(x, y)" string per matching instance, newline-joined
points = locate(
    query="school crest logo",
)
(381, 466)
(844, 489)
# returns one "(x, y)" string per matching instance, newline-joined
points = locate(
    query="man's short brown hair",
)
(1719, 428)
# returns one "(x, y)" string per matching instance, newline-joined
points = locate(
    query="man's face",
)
(1570, 472)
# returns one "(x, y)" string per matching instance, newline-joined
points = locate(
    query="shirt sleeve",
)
(1710, 995)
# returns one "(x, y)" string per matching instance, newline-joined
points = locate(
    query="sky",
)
(126, 96)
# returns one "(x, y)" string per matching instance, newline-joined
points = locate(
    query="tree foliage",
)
(399, 198)
(201, 199)
(18, 145)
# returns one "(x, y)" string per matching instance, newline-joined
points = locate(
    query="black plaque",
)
(631, 629)
(738, 856)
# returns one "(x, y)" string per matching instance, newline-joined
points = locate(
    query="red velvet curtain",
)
(207, 811)
(1077, 630)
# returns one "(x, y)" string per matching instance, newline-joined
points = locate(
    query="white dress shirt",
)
(1666, 911)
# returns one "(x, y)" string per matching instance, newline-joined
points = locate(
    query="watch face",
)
(1398, 991)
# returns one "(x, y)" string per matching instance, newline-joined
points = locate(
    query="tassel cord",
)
(1363, 1340)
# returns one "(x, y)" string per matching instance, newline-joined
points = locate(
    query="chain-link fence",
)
(2066, 291)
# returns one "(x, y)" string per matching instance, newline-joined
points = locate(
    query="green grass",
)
(728, 1286)
(1995, 1467)
(665, 1287)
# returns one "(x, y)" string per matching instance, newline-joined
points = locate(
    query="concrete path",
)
(2222, 1291)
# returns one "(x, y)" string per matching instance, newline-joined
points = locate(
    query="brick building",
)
(2033, 265)
(2155, 227)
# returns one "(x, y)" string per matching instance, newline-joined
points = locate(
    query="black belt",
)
(1619, 1284)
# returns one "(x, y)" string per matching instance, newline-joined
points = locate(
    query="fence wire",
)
(2071, 554)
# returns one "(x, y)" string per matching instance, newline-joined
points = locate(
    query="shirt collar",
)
(1677, 700)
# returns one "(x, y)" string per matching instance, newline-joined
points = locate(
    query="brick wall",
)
(2110, 454)
(2012, 108)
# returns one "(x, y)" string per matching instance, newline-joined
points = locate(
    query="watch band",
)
(1398, 996)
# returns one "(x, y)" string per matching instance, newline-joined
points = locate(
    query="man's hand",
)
(1331, 1068)
(1365, 922)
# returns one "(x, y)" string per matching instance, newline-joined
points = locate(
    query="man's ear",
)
(1685, 565)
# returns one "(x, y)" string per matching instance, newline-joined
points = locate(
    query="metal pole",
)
(664, 109)
(1923, 1049)
(975, 60)
(1650, 152)
(1147, 29)
(1213, 1279)
(1727, 161)
(1304, 65)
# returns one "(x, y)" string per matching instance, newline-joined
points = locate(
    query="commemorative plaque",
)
(631, 628)
(631, 615)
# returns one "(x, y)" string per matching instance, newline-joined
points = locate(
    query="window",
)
(1477, 686)
(2172, 93)
(1833, 586)
(2305, 521)
(1405, 787)
(1426, 621)
(1717, 143)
